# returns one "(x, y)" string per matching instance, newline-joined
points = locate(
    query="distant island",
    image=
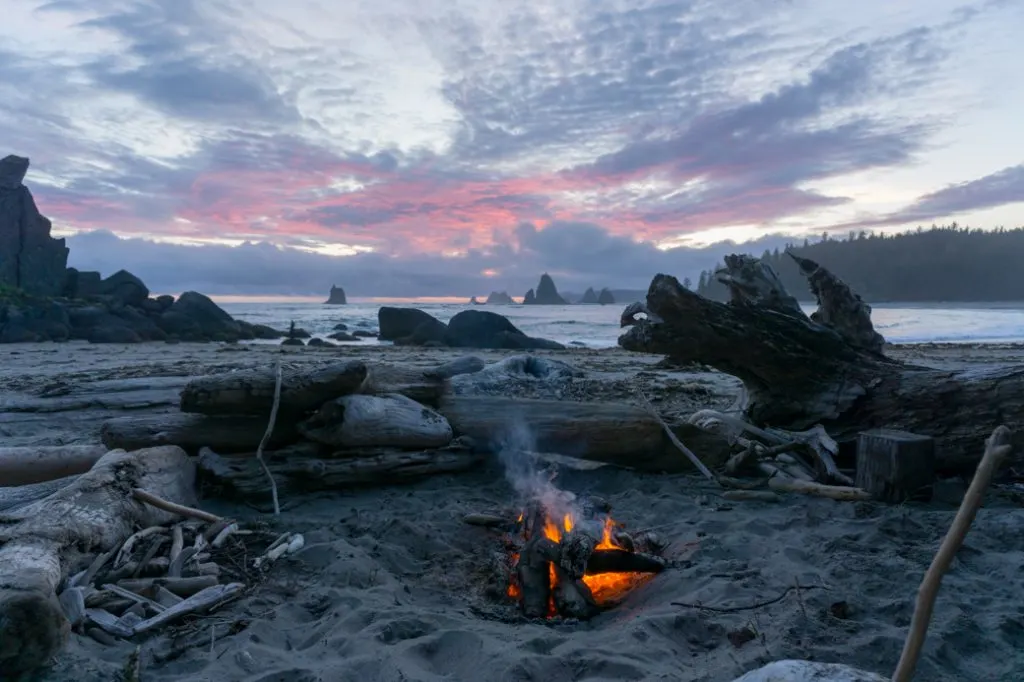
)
(336, 297)
(940, 264)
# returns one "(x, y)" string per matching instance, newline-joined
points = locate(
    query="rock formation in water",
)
(337, 296)
(467, 329)
(30, 259)
(499, 298)
(41, 299)
(475, 301)
(546, 293)
(530, 298)
(605, 297)
(589, 296)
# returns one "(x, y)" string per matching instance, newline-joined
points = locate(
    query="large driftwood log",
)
(355, 421)
(251, 391)
(25, 465)
(615, 433)
(827, 369)
(303, 468)
(423, 386)
(193, 431)
(42, 543)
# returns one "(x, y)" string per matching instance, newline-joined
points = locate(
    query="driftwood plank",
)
(42, 542)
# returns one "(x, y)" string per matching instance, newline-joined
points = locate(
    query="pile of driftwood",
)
(363, 423)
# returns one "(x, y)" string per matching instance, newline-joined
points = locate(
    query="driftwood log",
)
(25, 465)
(390, 420)
(305, 467)
(827, 369)
(615, 433)
(251, 391)
(192, 431)
(42, 543)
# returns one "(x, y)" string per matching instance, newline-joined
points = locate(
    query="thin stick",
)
(751, 607)
(996, 449)
(266, 438)
(172, 507)
(678, 443)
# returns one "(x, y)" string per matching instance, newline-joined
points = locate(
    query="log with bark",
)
(615, 433)
(44, 542)
(827, 369)
(304, 467)
(25, 465)
(251, 391)
(228, 433)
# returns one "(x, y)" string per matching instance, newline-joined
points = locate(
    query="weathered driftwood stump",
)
(41, 543)
(825, 369)
(895, 466)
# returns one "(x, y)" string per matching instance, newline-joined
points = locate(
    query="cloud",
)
(998, 189)
(577, 255)
(433, 130)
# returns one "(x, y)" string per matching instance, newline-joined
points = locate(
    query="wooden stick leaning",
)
(179, 509)
(676, 442)
(996, 449)
(266, 439)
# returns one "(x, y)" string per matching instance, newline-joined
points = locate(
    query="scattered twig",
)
(126, 549)
(177, 542)
(996, 449)
(835, 492)
(678, 443)
(750, 607)
(148, 556)
(172, 507)
(266, 439)
(133, 666)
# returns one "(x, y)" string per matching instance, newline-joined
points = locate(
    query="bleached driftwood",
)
(42, 543)
(11, 498)
(27, 465)
(834, 492)
(228, 433)
(251, 391)
(423, 386)
(808, 671)
(393, 420)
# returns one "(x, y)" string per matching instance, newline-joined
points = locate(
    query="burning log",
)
(251, 391)
(534, 575)
(190, 432)
(622, 561)
(355, 421)
(40, 544)
(827, 369)
(572, 597)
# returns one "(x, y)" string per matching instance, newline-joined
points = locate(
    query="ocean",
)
(594, 326)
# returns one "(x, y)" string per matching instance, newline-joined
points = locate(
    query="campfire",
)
(572, 560)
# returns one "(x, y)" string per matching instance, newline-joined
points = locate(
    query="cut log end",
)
(33, 629)
(895, 466)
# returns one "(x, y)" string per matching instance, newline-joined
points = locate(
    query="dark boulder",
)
(342, 336)
(484, 329)
(341, 327)
(336, 297)
(320, 343)
(194, 317)
(409, 326)
(364, 334)
(124, 287)
(165, 301)
(33, 320)
(530, 298)
(293, 342)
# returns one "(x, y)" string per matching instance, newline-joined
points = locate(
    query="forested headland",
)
(941, 264)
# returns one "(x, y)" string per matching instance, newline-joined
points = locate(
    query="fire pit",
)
(570, 559)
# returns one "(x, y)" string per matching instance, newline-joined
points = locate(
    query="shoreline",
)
(389, 586)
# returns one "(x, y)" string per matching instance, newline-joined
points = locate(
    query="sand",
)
(390, 583)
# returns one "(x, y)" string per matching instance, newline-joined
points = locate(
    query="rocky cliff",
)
(30, 259)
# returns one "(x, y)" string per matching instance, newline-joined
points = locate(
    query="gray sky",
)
(453, 147)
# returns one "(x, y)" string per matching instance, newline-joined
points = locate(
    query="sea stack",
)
(605, 297)
(30, 259)
(589, 296)
(337, 296)
(546, 293)
(499, 298)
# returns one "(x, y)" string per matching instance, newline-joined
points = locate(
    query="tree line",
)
(942, 264)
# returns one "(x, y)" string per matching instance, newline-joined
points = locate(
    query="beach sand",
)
(390, 584)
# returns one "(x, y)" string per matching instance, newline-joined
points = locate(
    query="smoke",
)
(531, 483)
